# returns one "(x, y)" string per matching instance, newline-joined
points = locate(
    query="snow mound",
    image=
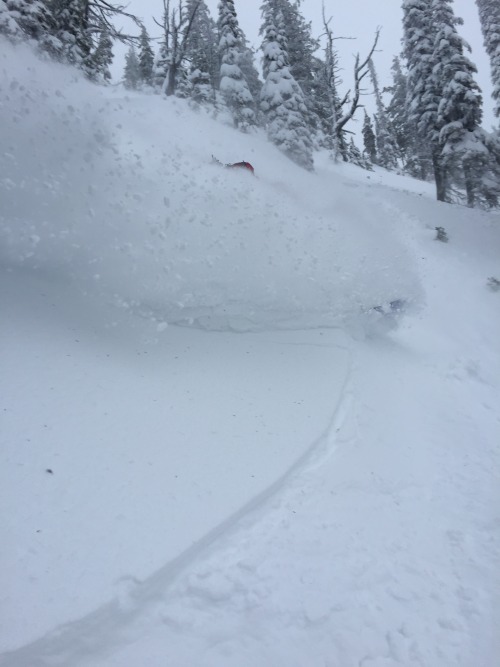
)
(117, 194)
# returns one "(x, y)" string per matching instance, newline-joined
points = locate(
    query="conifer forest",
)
(427, 123)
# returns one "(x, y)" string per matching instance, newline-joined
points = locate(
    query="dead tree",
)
(335, 103)
(360, 71)
(176, 26)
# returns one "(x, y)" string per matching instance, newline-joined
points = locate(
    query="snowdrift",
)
(117, 193)
(191, 497)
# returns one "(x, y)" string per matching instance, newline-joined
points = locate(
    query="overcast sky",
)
(351, 18)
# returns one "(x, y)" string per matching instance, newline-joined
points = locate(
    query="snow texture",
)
(221, 445)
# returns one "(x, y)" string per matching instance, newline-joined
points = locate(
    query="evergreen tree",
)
(200, 88)
(70, 38)
(202, 51)
(23, 19)
(489, 15)
(423, 90)
(459, 111)
(160, 67)
(386, 145)
(68, 30)
(232, 81)
(444, 101)
(302, 62)
(301, 46)
(396, 110)
(356, 157)
(415, 156)
(369, 140)
(132, 73)
(146, 58)
(282, 100)
(247, 66)
(102, 57)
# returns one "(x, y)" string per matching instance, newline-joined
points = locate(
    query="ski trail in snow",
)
(99, 632)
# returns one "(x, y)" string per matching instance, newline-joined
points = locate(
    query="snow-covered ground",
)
(215, 451)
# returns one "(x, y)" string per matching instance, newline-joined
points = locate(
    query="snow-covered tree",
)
(396, 109)
(301, 49)
(201, 50)
(233, 84)
(22, 19)
(160, 68)
(369, 140)
(355, 156)
(71, 31)
(423, 89)
(177, 25)
(327, 103)
(387, 151)
(444, 101)
(102, 58)
(200, 88)
(282, 100)
(132, 73)
(146, 58)
(415, 157)
(70, 38)
(459, 110)
(489, 15)
(247, 66)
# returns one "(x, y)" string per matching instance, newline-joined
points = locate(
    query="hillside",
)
(221, 445)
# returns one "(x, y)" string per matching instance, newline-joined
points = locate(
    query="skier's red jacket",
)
(244, 165)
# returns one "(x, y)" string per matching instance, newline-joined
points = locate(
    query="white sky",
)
(353, 18)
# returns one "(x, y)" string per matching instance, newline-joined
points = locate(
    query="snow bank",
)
(117, 193)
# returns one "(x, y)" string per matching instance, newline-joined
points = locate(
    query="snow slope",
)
(290, 477)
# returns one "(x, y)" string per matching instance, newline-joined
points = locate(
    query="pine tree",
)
(200, 88)
(146, 58)
(202, 52)
(396, 110)
(489, 15)
(70, 38)
(386, 145)
(232, 82)
(459, 111)
(132, 73)
(369, 140)
(247, 66)
(301, 46)
(68, 30)
(22, 19)
(423, 90)
(356, 157)
(301, 49)
(160, 68)
(282, 100)
(102, 58)
(415, 157)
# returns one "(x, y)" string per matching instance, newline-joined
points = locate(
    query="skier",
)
(235, 165)
(242, 165)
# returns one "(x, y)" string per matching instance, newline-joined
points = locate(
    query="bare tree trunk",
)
(171, 79)
(469, 184)
(439, 177)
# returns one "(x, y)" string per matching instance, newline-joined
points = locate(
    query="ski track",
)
(187, 592)
(99, 632)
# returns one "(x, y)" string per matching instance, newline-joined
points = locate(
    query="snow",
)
(215, 451)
